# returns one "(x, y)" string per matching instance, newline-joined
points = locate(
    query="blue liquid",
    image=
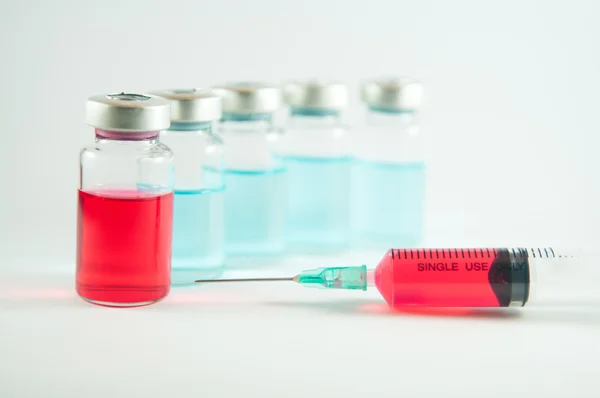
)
(254, 206)
(388, 204)
(318, 202)
(198, 241)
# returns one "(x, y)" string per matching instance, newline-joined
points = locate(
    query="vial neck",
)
(206, 127)
(390, 117)
(317, 117)
(127, 136)
(246, 123)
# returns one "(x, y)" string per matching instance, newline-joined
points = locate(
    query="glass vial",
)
(254, 177)
(198, 240)
(125, 208)
(316, 153)
(388, 177)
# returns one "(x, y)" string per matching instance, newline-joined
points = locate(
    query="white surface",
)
(511, 108)
(283, 340)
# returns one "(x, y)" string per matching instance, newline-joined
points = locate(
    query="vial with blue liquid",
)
(198, 236)
(316, 152)
(389, 174)
(254, 177)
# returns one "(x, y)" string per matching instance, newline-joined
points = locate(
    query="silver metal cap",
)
(128, 112)
(249, 98)
(315, 94)
(192, 105)
(400, 93)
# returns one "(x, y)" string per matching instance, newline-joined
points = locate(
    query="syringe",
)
(482, 277)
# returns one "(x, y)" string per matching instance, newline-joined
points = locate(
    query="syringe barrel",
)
(566, 278)
(482, 277)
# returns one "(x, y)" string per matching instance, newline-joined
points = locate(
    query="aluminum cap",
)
(315, 94)
(128, 112)
(400, 93)
(247, 98)
(192, 105)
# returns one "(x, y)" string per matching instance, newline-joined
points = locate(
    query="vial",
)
(198, 240)
(317, 155)
(254, 176)
(388, 176)
(125, 204)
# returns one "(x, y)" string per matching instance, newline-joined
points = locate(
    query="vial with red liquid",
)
(125, 204)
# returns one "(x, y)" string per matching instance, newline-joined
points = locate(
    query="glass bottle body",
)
(255, 188)
(316, 153)
(388, 181)
(198, 236)
(124, 227)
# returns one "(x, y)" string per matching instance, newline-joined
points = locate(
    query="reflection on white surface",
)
(210, 333)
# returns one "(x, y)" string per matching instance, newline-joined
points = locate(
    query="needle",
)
(290, 278)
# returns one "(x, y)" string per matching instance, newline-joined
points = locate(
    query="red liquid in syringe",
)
(124, 247)
(454, 277)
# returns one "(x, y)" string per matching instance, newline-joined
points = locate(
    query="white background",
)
(512, 111)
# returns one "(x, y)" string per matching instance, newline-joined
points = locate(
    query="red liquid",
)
(124, 247)
(453, 277)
